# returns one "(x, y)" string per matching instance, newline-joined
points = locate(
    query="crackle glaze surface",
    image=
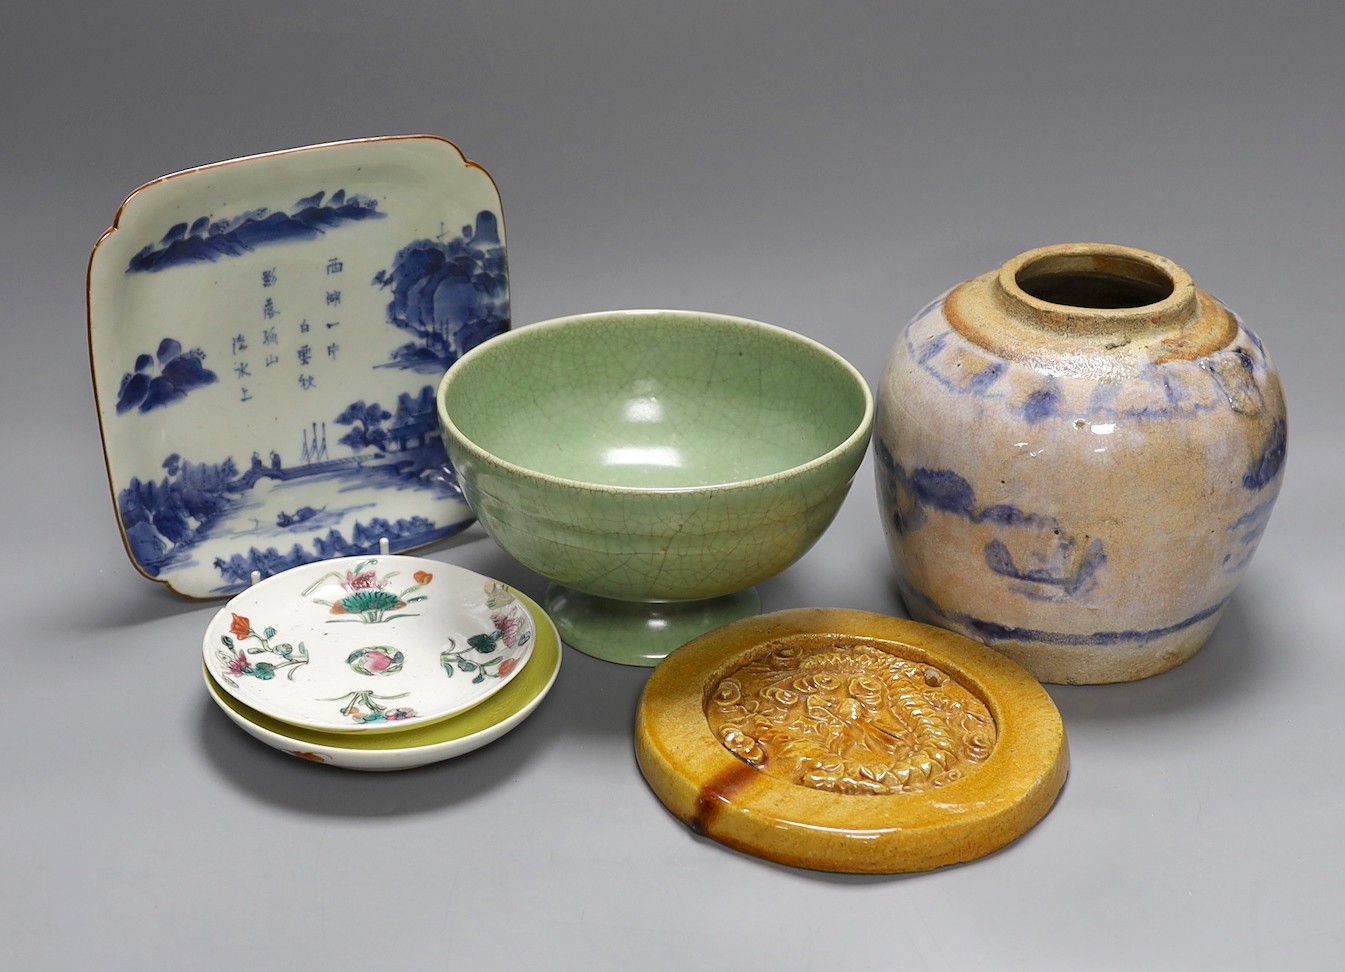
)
(654, 455)
(846, 741)
(1080, 488)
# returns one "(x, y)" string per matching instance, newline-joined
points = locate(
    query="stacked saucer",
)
(379, 662)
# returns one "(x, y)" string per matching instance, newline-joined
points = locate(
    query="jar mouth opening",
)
(1097, 289)
(1096, 281)
(1110, 304)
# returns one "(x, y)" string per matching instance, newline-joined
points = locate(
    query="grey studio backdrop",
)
(825, 167)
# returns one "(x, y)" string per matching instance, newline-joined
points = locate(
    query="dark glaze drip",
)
(717, 794)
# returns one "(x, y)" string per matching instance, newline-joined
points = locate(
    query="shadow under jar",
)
(1076, 455)
(653, 464)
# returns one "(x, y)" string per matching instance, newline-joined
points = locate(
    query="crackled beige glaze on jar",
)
(1076, 457)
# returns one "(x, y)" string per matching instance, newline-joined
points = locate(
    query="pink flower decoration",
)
(364, 581)
(507, 627)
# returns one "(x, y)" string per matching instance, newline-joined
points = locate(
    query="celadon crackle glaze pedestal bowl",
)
(654, 465)
(1076, 456)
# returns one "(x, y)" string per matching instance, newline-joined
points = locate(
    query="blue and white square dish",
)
(266, 335)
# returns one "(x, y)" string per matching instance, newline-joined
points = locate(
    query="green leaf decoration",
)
(363, 601)
(270, 632)
(227, 641)
(479, 678)
(466, 666)
(483, 643)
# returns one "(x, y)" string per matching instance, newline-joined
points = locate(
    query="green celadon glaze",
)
(655, 455)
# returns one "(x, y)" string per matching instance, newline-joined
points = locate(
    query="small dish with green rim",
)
(419, 745)
(369, 644)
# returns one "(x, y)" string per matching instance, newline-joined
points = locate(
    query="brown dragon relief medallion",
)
(848, 716)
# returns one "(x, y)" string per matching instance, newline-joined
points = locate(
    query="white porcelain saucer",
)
(369, 644)
(423, 744)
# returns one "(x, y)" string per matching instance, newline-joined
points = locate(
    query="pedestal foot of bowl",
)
(640, 632)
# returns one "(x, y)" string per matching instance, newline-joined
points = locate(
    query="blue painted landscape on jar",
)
(1233, 377)
(922, 606)
(1046, 560)
(1040, 557)
(1051, 569)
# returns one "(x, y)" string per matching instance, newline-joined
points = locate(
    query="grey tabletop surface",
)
(825, 167)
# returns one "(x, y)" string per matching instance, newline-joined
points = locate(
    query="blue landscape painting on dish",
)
(163, 378)
(449, 295)
(375, 448)
(206, 239)
(321, 498)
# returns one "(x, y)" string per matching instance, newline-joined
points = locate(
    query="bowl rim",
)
(858, 436)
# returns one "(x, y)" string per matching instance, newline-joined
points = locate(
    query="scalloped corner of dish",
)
(266, 335)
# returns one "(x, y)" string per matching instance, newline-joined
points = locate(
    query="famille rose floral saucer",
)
(266, 335)
(422, 744)
(368, 644)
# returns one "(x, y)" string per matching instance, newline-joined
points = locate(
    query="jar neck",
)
(1089, 309)
(1093, 290)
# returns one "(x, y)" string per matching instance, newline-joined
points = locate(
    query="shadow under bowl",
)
(665, 459)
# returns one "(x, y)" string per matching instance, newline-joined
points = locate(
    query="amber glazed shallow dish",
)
(841, 740)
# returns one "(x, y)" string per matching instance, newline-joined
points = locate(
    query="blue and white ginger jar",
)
(1076, 456)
